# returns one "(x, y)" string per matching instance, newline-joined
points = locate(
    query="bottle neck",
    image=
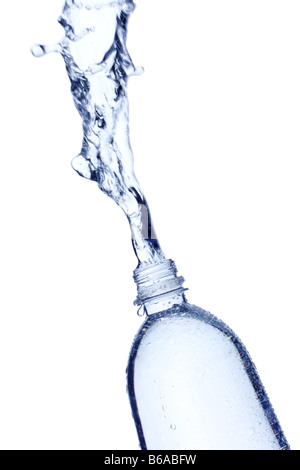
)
(158, 286)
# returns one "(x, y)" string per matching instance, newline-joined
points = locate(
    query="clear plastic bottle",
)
(191, 382)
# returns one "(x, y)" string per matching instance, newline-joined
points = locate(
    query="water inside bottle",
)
(196, 384)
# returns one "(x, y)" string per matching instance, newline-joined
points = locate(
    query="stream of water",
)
(99, 65)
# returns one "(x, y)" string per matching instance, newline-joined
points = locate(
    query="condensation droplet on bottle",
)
(173, 427)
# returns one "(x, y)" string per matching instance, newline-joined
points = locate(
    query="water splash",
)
(99, 65)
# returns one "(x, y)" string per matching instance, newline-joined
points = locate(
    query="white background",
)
(215, 132)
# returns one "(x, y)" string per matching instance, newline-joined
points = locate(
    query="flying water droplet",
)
(39, 50)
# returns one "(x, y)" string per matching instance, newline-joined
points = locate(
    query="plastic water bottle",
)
(191, 382)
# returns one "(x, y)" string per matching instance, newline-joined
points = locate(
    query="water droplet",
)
(173, 427)
(38, 50)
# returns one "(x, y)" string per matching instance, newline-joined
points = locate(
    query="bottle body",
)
(192, 385)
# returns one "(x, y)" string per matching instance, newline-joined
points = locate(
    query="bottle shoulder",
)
(187, 311)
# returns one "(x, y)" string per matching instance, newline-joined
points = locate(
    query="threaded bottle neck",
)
(158, 286)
